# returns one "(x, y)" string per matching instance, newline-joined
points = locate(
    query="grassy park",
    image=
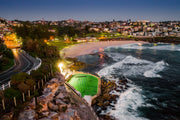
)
(60, 44)
(6, 64)
(84, 83)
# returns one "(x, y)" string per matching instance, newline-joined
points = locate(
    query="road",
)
(23, 63)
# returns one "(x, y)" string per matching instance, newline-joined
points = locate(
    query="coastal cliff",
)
(56, 104)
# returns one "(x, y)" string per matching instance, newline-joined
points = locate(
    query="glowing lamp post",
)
(61, 67)
(65, 73)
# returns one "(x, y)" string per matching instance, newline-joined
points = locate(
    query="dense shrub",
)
(20, 77)
(37, 75)
(9, 93)
(23, 82)
(8, 53)
(4, 61)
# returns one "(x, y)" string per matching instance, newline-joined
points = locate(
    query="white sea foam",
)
(160, 47)
(127, 104)
(159, 66)
(129, 101)
(132, 67)
(128, 64)
(116, 56)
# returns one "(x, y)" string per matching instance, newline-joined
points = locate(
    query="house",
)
(94, 29)
(166, 34)
(52, 30)
(86, 39)
(106, 29)
(178, 34)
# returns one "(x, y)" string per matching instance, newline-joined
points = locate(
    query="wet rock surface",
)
(102, 102)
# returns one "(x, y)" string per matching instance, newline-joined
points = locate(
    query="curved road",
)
(23, 63)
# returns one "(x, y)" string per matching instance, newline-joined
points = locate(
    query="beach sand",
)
(88, 48)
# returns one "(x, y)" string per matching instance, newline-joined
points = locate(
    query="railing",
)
(6, 85)
(35, 67)
(83, 100)
(7, 105)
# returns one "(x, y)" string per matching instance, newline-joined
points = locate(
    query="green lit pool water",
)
(84, 83)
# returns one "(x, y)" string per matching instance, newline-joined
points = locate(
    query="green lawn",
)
(7, 66)
(85, 84)
(60, 44)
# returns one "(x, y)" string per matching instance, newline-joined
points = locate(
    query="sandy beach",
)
(88, 48)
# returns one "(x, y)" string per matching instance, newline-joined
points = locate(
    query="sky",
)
(91, 10)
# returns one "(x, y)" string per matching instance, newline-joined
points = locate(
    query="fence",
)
(8, 104)
(6, 85)
(78, 96)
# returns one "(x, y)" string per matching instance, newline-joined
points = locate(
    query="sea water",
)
(153, 74)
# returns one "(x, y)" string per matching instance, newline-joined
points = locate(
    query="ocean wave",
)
(116, 56)
(129, 101)
(132, 67)
(159, 66)
(127, 105)
(160, 47)
(129, 66)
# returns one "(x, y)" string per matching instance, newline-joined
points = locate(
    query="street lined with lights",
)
(23, 63)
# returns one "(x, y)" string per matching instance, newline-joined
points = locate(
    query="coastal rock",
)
(53, 115)
(48, 94)
(60, 96)
(105, 99)
(106, 96)
(60, 102)
(62, 108)
(45, 118)
(55, 104)
(70, 114)
(7, 116)
(32, 104)
(45, 113)
(53, 84)
(62, 89)
(52, 106)
(106, 103)
(28, 114)
(66, 100)
(43, 102)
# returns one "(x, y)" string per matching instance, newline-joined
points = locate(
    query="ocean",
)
(153, 74)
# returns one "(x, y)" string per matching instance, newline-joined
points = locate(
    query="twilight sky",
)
(93, 10)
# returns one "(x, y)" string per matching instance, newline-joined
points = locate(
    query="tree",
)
(87, 29)
(9, 93)
(8, 53)
(19, 78)
(37, 75)
(22, 81)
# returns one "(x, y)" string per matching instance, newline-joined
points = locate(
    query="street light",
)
(61, 67)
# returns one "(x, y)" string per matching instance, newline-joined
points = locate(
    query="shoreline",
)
(88, 48)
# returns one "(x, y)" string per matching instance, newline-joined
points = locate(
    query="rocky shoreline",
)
(105, 100)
